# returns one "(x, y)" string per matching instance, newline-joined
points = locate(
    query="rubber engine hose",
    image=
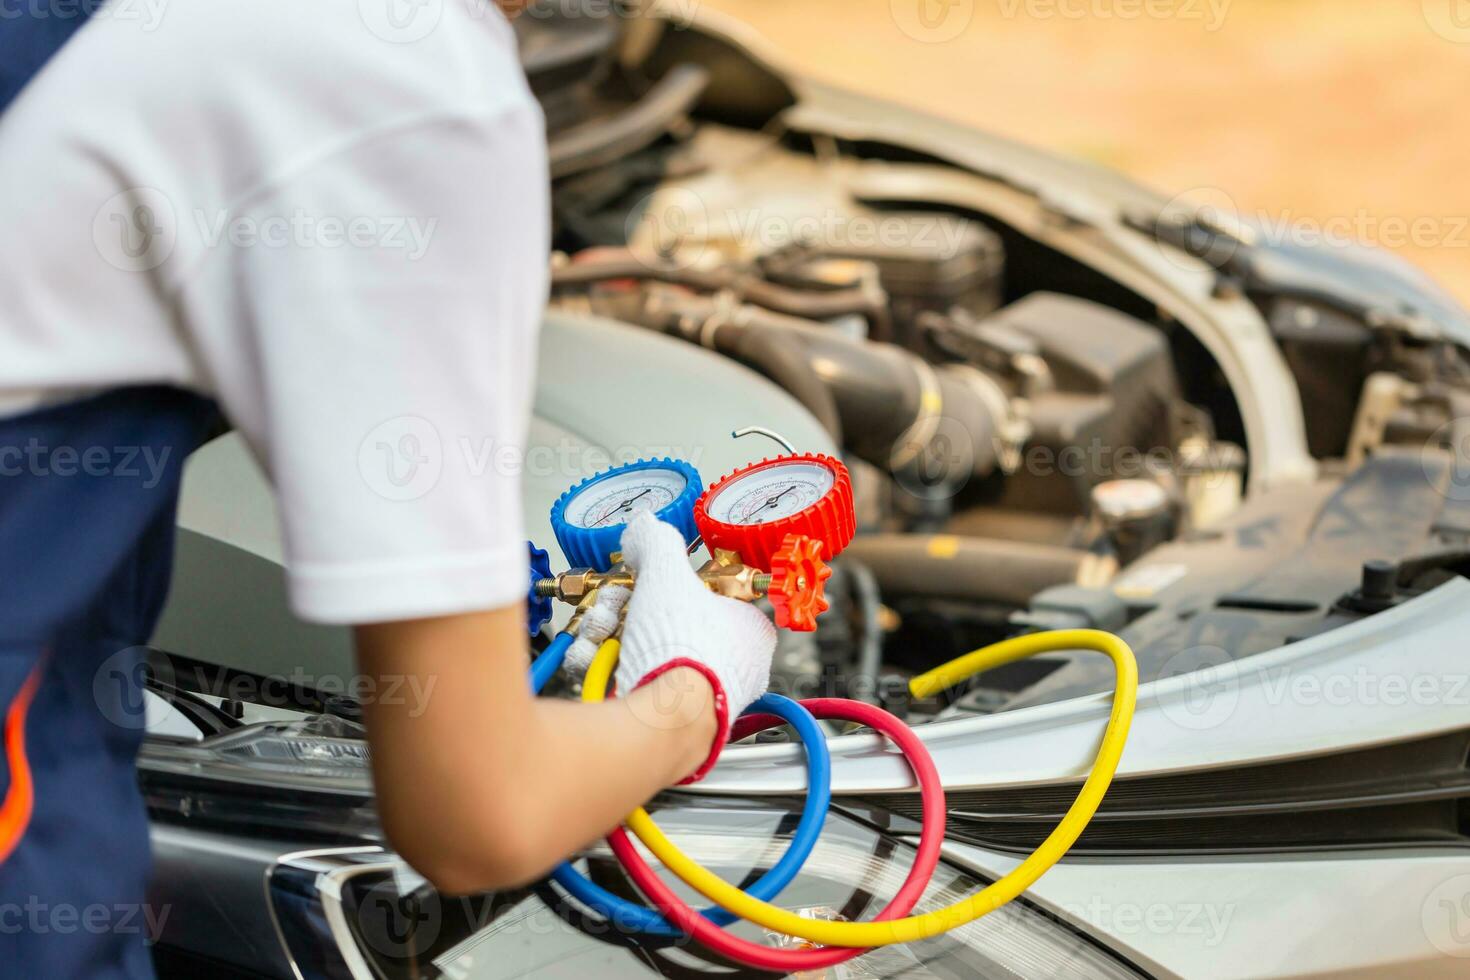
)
(946, 566)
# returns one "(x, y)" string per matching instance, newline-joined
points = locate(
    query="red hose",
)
(926, 858)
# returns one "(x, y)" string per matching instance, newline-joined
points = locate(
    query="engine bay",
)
(1056, 413)
(1033, 443)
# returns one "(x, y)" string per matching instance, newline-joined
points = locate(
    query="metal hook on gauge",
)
(760, 430)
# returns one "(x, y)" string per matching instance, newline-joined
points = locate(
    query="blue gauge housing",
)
(593, 547)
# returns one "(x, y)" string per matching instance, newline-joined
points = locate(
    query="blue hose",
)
(545, 666)
(627, 915)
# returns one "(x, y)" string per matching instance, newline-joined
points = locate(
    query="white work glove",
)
(674, 620)
(598, 623)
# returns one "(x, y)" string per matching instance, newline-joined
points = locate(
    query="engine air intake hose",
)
(951, 567)
(928, 425)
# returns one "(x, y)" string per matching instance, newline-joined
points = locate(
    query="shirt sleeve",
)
(388, 299)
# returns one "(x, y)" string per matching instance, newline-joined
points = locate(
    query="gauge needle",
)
(773, 501)
(625, 505)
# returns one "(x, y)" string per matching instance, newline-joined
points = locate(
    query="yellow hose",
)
(913, 928)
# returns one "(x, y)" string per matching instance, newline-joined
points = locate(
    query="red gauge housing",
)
(830, 520)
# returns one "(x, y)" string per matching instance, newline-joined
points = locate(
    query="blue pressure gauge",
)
(589, 518)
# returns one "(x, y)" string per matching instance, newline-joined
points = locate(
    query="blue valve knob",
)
(538, 608)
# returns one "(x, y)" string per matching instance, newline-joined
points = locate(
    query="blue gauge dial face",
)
(771, 493)
(620, 497)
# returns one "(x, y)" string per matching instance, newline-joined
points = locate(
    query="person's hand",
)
(674, 621)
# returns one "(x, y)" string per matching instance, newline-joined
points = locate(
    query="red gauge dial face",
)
(771, 493)
(752, 510)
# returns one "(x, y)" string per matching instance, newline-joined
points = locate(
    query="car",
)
(1065, 401)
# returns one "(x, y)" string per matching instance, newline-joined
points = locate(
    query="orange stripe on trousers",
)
(20, 798)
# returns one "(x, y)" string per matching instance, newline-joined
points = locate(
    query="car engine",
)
(1033, 444)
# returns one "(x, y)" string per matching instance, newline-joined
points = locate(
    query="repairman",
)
(302, 219)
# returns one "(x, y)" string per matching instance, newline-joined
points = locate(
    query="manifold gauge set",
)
(770, 527)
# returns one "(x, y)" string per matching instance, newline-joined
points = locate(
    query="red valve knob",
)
(798, 581)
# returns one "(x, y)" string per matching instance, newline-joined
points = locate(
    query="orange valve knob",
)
(798, 580)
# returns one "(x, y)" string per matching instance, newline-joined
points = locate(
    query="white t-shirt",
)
(331, 216)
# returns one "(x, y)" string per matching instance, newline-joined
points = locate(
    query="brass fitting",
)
(723, 575)
(588, 582)
(576, 584)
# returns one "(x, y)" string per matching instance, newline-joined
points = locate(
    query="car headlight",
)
(387, 922)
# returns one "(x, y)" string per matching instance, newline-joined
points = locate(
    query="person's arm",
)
(386, 382)
(483, 786)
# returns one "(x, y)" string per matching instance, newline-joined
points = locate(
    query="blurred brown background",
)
(1342, 117)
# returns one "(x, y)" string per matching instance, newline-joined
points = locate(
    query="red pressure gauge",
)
(751, 511)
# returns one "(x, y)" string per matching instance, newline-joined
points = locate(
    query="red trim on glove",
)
(722, 710)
